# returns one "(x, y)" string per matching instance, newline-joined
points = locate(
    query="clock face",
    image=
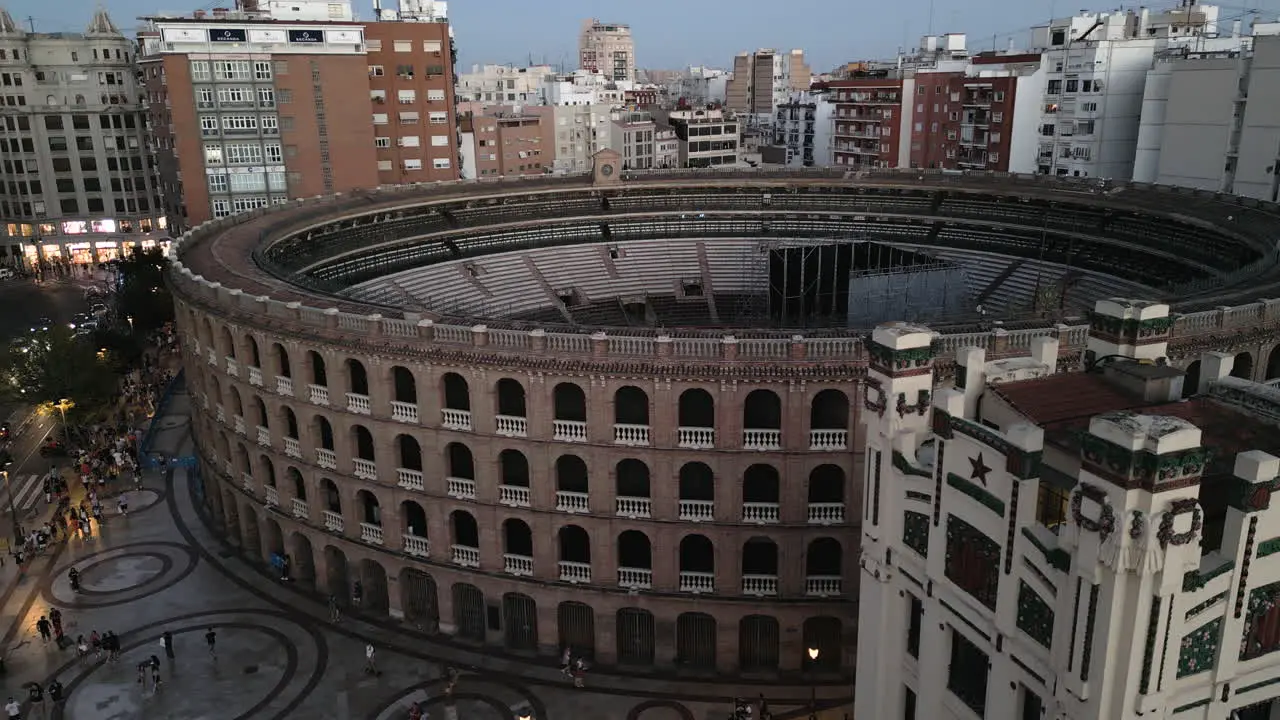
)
(606, 170)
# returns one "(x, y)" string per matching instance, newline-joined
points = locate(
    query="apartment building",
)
(762, 80)
(580, 132)
(583, 87)
(868, 119)
(707, 136)
(507, 142)
(666, 146)
(632, 134)
(607, 49)
(78, 183)
(801, 132)
(504, 84)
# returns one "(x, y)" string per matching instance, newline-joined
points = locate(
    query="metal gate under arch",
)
(758, 643)
(696, 641)
(468, 612)
(520, 622)
(576, 623)
(421, 600)
(635, 637)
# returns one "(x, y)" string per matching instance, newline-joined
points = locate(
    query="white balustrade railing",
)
(461, 488)
(416, 546)
(333, 522)
(327, 458)
(634, 435)
(828, 439)
(359, 404)
(513, 495)
(456, 419)
(465, 555)
(575, 572)
(238, 423)
(264, 436)
(213, 357)
(229, 468)
(299, 507)
(284, 385)
(569, 431)
(273, 496)
(233, 368)
(364, 469)
(761, 585)
(826, 513)
(246, 482)
(404, 412)
(633, 507)
(697, 510)
(572, 502)
(511, 425)
(319, 394)
(697, 582)
(292, 447)
(521, 565)
(635, 578)
(760, 512)
(221, 413)
(696, 438)
(255, 376)
(409, 479)
(822, 585)
(371, 533)
(758, 439)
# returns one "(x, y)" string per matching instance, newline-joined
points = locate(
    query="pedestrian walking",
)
(211, 639)
(155, 673)
(45, 628)
(35, 696)
(167, 641)
(370, 663)
(357, 594)
(82, 647)
(13, 709)
(95, 642)
(55, 617)
(334, 614)
(55, 691)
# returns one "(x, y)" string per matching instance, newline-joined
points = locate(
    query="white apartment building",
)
(503, 84)
(666, 147)
(607, 49)
(1068, 546)
(700, 85)
(801, 132)
(1209, 117)
(632, 134)
(708, 138)
(582, 87)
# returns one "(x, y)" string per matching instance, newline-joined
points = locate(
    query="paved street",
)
(24, 301)
(163, 568)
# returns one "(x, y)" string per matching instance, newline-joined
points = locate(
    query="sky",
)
(672, 34)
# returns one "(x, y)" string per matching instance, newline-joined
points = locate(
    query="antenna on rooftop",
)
(32, 23)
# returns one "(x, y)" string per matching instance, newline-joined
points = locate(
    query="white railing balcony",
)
(633, 507)
(233, 367)
(465, 555)
(333, 522)
(760, 585)
(761, 439)
(760, 512)
(264, 436)
(416, 546)
(828, 439)
(404, 412)
(572, 502)
(371, 533)
(569, 431)
(204, 399)
(319, 394)
(511, 426)
(513, 495)
(284, 385)
(299, 507)
(292, 447)
(409, 479)
(273, 496)
(634, 435)
(826, 513)
(228, 468)
(364, 469)
(213, 357)
(456, 419)
(238, 423)
(822, 585)
(255, 376)
(246, 482)
(221, 414)
(635, 578)
(521, 565)
(327, 459)
(697, 582)
(697, 510)
(461, 488)
(575, 572)
(696, 438)
(359, 404)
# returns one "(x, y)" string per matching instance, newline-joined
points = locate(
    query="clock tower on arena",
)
(606, 167)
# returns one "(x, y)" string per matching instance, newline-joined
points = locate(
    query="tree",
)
(55, 366)
(143, 295)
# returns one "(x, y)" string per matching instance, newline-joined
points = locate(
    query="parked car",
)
(79, 319)
(5, 432)
(43, 324)
(98, 309)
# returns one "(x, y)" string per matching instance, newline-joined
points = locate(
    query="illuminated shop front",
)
(80, 253)
(108, 250)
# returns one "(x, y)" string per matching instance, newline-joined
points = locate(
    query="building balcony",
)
(696, 438)
(983, 101)
(410, 479)
(572, 502)
(228, 468)
(221, 414)
(461, 488)
(823, 585)
(568, 431)
(299, 508)
(213, 358)
(272, 495)
(635, 578)
(284, 385)
(238, 424)
(326, 459)
(264, 436)
(359, 404)
(456, 419)
(697, 510)
(255, 376)
(319, 395)
(760, 585)
(246, 482)
(826, 513)
(761, 439)
(511, 426)
(828, 440)
(465, 556)
(371, 533)
(518, 565)
(292, 447)
(233, 367)
(575, 572)
(333, 522)
(513, 495)
(631, 435)
(855, 150)
(762, 513)
(364, 469)
(697, 582)
(404, 412)
(633, 507)
(416, 546)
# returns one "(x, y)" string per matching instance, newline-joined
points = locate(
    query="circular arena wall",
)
(653, 497)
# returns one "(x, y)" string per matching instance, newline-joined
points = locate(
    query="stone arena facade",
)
(689, 502)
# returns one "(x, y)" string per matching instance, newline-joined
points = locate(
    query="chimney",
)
(1044, 350)
(1213, 367)
(1135, 329)
(199, 14)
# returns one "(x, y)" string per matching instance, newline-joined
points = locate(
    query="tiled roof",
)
(1061, 399)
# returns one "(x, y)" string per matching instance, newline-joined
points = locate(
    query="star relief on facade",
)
(978, 469)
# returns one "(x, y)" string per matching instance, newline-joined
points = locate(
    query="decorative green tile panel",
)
(904, 466)
(977, 492)
(1035, 616)
(1206, 605)
(1262, 616)
(973, 561)
(1194, 580)
(915, 532)
(1200, 649)
(1269, 547)
(1057, 558)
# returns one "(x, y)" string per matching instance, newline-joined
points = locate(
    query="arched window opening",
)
(283, 368)
(461, 464)
(517, 538)
(570, 403)
(410, 452)
(457, 396)
(513, 468)
(357, 377)
(404, 385)
(465, 531)
(370, 510)
(511, 398)
(319, 377)
(415, 520)
(634, 550)
(325, 433)
(632, 479)
(762, 410)
(363, 442)
(631, 407)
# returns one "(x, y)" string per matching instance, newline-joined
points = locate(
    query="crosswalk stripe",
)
(27, 495)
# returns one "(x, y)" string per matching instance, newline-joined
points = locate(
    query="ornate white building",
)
(1078, 545)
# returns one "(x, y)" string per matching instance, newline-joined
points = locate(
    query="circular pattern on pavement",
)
(475, 693)
(120, 575)
(660, 710)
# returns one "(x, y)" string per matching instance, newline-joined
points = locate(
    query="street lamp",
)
(130, 319)
(63, 406)
(813, 689)
(524, 716)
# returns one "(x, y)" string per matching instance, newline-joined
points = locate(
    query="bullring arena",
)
(619, 412)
